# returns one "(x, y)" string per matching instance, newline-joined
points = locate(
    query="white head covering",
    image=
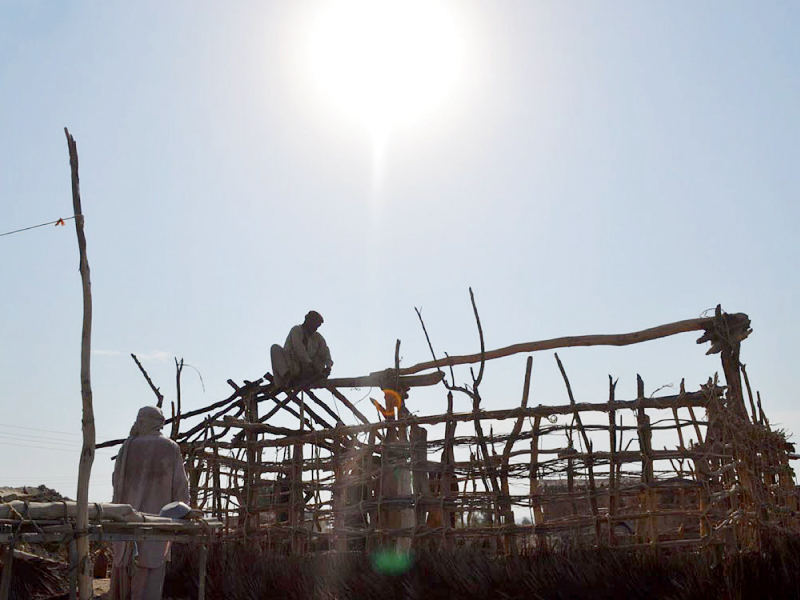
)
(149, 421)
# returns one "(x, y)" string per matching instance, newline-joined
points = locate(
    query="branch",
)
(518, 424)
(397, 366)
(624, 339)
(428, 339)
(156, 391)
(577, 415)
(176, 423)
(477, 382)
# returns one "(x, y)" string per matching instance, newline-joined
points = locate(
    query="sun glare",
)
(385, 63)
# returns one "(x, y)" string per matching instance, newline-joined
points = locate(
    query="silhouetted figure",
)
(148, 475)
(305, 356)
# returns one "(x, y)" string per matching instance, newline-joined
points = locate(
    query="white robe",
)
(302, 350)
(148, 475)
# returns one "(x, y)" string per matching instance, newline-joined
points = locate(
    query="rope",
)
(56, 222)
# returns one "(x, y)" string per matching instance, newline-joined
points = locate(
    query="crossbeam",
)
(621, 339)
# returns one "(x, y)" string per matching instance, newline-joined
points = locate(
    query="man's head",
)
(313, 321)
(149, 421)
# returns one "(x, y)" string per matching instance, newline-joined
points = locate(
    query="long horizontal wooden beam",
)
(693, 399)
(256, 427)
(621, 339)
(387, 378)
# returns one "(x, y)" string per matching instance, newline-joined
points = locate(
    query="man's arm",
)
(115, 479)
(180, 483)
(325, 352)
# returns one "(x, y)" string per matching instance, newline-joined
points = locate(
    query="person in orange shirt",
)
(394, 405)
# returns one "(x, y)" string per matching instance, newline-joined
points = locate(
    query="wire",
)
(42, 430)
(57, 221)
(336, 406)
(39, 439)
(49, 444)
(57, 449)
(364, 397)
(41, 447)
(60, 478)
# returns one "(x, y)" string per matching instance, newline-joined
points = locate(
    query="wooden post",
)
(571, 479)
(648, 477)
(726, 333)
(207, 470)
(702, 477)
(253, 460)
(383, 483)
(749, 394)
(201, 577)
(449, 483)
(87, 451)
(176, 419)
(505, 466)
(536, 506)
(613, 497)
(217, 486)
(371, 488)
(730, 365)
(678, 426)
(419, 463)
(762, 418)
(195, 471)
(679, 471)
(593, 494)
(339, 494)
(297, 505)
(590, 461)
(72, 553)
(8, 565)
(403, 472)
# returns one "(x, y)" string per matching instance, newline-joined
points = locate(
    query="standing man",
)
(304, 357)
(148, 475)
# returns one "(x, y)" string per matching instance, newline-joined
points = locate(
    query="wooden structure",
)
(695, 468)
(57, 523)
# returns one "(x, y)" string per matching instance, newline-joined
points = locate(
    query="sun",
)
(385, 63)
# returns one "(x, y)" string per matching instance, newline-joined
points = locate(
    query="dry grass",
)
(244, 572)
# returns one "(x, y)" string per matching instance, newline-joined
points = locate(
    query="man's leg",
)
(122, 572)
(280, 366)
(311, 373)
(120, 588)
(148, 584)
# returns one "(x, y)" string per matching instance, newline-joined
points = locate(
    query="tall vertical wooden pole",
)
(339, 494)
(8, 563)
(87, 452)
(449, 489)
(613, 498)
(648, 474)
(536, 504)
(251, 473)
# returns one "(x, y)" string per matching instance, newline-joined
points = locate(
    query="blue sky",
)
(594, 168)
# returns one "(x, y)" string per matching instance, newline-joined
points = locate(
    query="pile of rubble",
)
(30, 494)
(41, 571)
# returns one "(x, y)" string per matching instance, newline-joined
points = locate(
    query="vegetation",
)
(243, 572)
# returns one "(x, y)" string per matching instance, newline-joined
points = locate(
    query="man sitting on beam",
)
(304, 358)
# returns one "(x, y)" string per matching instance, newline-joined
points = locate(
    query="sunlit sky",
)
(585, 167)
